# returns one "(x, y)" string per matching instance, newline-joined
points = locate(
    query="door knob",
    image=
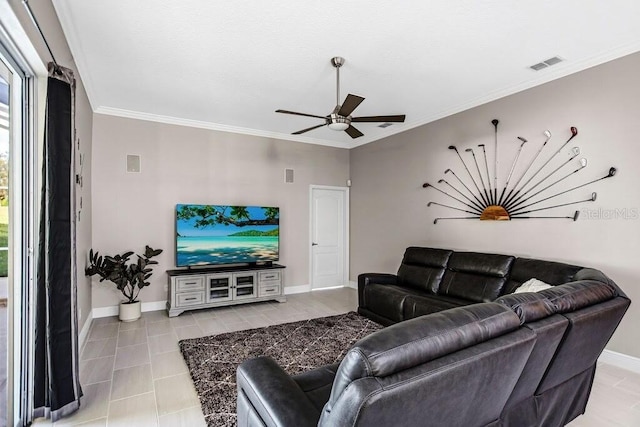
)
(314, 244)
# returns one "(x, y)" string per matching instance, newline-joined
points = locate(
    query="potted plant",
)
(129, 277)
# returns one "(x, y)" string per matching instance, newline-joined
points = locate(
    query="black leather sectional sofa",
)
(461, 350)
(573, 320)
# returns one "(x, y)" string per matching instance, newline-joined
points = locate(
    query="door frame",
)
(23, 60)
(345, 190)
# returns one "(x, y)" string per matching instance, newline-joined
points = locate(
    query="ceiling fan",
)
(340, 119)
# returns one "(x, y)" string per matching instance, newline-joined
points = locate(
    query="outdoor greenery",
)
(4, 255)
(227, 215)
(4, 241)
(256, 233)
(4, 179)
(4, 214)
(129, 277)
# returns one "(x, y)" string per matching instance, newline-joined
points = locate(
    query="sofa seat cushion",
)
(419, 305)
(387, 300)
(475, 276)
(423, 268)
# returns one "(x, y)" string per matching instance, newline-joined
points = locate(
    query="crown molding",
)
(118, 112)
(546, 75)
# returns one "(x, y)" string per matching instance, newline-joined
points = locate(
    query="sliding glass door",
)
(17, 225)
(5, 81)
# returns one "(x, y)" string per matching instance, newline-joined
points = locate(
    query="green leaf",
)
(125, 275)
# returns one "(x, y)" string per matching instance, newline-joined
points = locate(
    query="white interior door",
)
(329, 222)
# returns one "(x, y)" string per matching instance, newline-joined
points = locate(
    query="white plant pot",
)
(130, 311)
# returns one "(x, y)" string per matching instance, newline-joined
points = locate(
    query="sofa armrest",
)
(365, 278)
(272, 395)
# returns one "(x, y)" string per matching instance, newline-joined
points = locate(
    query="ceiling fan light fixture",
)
(338, 122)
(338, 126)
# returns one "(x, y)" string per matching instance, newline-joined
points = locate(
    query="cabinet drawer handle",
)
(269, 290)
(190, 299)
(190, 283)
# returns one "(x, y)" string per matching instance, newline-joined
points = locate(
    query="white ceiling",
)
(229, 65)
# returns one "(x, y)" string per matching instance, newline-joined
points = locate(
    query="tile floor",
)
(133, 373)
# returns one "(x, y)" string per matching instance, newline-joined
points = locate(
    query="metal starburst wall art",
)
(515, 201)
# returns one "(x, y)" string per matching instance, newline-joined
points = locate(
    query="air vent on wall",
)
(385, 125)
(546, 63)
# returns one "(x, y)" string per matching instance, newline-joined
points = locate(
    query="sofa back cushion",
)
(399, 354)
(589, 330)
(553, 273)
(529, 306)
(423, 268)
(417, 341)
(475, 276)
(576, 295)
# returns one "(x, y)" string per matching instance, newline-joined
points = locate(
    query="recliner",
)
(440, 368)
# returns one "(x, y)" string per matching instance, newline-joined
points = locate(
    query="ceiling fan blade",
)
(308, 129)
(353, 132)
(350, 103)
(300, 114)
(398, 118)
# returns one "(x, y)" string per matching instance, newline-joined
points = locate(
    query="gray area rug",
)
(297, 347)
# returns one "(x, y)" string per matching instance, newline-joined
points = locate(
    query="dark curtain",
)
(57, 389)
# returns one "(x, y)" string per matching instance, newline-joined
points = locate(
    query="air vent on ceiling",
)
(385, 125)
(546, 63)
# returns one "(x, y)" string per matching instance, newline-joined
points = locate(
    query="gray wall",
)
(84, 117)
(389, 206)
(188, 165)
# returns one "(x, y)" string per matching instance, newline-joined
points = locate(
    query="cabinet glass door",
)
(219, 288)
(244, 286)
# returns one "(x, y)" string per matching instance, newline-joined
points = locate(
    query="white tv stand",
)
(195, 288)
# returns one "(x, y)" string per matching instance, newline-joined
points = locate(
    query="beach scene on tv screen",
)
(211, 234)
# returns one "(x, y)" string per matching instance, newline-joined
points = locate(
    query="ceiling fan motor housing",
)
(338, 122)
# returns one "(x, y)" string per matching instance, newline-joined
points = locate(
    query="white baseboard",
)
(307, 288)
(99, 312)
(84, 332)
(109, 311)
(154, 306)
(297, 289)
(620, 360)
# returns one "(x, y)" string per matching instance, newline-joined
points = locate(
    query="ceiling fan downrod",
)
(337, 62)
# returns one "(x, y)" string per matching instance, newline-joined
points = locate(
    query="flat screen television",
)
(216, 234)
